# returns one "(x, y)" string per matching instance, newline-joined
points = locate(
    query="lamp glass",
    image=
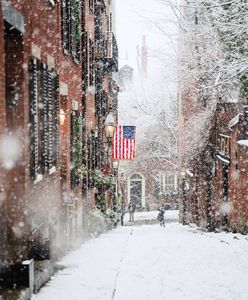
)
(183, 173)
(109, 131)
(115, 164)
(62, 117)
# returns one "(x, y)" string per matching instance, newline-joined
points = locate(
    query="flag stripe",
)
(124, 141)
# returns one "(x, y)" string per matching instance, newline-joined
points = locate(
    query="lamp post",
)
(115, 166)
(183, 189)
(122, 192)
(109, 129)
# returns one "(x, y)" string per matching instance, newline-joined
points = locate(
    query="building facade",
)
(56, 86)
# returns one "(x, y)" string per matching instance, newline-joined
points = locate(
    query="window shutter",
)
(56, 119)
(33, 118)
(73, 27)
(86, 60)
(91, 57)
(89, 162)
(45, 119)
(65, 23)
(73, 156)
(50, 119)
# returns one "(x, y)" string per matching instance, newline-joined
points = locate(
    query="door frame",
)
(142, 186)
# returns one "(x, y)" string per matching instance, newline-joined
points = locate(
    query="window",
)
(167, 182)
(75, 23)
(65, 24)
(43, 117)
(91, 54)
(86, 61)
(91, 6)
(224, 145)
(71, 27)
(110, 22)
(136, 177)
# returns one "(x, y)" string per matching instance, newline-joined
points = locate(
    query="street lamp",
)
(109, 126)
(115, 165)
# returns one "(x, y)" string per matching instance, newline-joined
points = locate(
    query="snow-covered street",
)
(150, 262)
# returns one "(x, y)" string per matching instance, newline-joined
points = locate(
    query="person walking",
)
(160, 217)
(131, 209)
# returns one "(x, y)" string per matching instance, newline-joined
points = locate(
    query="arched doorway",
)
(136, 190)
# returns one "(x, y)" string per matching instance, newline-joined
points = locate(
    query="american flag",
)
(123, 145)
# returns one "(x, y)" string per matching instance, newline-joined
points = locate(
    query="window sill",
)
(52, 2)
(52, 170)
(38, 178)
(66, 52)
(75, 60)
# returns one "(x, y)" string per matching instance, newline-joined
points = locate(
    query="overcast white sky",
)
(158, 23)
(135, 18)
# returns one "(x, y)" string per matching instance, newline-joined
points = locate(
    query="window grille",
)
(167, 182)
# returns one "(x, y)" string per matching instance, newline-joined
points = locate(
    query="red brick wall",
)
(33, 204)
(238, 178)
(41, 202)
(150, 169)
(3, 214)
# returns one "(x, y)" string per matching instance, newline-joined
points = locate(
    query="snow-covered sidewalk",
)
(154, 263)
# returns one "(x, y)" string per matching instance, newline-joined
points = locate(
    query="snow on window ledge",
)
(38, 178)
(52, 2)
(27, 262)
(52, 170)
(243, 143)
(223, 159)
(189, 173)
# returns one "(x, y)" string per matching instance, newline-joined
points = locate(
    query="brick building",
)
(151, 184)
(212, 133)
(214, 191)
(56, 64)
(152, 178)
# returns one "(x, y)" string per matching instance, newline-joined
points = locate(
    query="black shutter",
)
(89, 162)
(86, 60)
(56, 119)
(33, 118)
(50, 118)
(44, 87)
(245, 122)
(73, 27)
(65, 23)
(41, 120)
(73, 154)
(91, 54)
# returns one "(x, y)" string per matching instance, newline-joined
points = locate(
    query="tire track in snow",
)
(119, 267)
